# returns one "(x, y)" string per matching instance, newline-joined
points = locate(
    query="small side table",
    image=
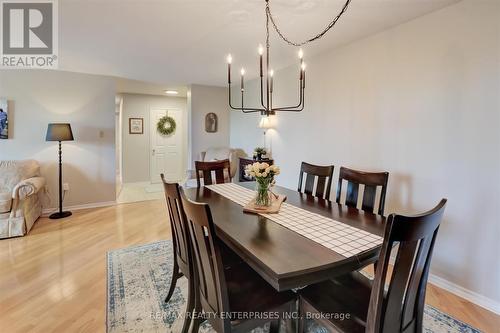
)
(246, 161)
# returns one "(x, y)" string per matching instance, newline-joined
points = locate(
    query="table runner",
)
(345, 240)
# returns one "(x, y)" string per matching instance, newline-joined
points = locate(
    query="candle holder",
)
(267, 88)
(266, 95)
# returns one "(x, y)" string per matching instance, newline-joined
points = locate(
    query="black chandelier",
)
(266, 98)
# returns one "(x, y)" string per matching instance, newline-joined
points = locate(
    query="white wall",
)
(421, 101)
(118, 142)
(136, 149)
(206, 99)
(37, 98)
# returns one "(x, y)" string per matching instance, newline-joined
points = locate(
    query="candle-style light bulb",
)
(301, 54)
(303, 66)
(261, 49)
(229, 59)
(271, 72)
(242, 71)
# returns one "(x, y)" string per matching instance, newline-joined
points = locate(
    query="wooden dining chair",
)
(371, 308)
(370, 180)
(181, 246)
(224, 293)
(248, 161)
(322, 173)
(222, 170)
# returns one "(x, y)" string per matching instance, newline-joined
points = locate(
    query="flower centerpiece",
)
(264, 176)
(259, 153)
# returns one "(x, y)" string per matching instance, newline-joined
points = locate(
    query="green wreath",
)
(166, 130)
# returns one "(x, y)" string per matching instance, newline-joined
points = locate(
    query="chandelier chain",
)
(318, 36)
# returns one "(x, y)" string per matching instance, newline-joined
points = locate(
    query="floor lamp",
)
(59, 132)
(265, 124)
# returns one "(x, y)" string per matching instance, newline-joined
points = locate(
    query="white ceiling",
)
(179, 42)
(127, 86)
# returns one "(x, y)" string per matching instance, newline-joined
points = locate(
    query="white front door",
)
(166, 151)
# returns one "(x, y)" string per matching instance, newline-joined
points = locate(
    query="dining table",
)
(290, 251)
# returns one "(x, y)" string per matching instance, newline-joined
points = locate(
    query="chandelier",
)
(266, 107)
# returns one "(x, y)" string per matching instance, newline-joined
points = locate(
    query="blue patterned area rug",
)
(138, 280)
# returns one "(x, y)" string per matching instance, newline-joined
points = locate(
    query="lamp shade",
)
(59, 132)
(265, 123)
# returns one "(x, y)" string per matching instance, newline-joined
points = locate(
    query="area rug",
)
(138, 281)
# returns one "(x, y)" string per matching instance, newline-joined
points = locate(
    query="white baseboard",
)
(471, 296)
(142, 184)
(48, 211)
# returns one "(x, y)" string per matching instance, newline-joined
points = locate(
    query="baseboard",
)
(471, 296)
(146, 183)
(48, 211)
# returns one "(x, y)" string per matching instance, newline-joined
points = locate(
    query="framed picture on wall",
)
(211, 122)
(136, 125)
(4, 119)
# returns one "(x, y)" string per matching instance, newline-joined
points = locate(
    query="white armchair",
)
(20, 203)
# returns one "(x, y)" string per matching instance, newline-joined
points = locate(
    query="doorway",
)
(145, 153)
(166, 150)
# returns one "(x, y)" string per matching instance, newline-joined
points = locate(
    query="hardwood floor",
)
(54, 280)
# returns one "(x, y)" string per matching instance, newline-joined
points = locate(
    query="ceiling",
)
(179, 42)
(127, 86)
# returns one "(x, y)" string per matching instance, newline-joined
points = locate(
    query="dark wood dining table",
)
(284, 258)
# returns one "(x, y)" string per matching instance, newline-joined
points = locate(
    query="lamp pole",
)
(60, 179)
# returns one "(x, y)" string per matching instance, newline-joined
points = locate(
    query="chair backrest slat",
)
(222, 170)
(401, 308)
(415, 281)
(370, 180)
(209, 268)
(369, 194)
(207, 177)
(219, 176)
(177, 223)
(323, 174)
(351, 198)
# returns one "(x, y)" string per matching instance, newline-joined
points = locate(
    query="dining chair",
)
(372, 309)
(322, 173)
(248, 161)
(221, 293)
(370, 180)
(220, 168)
(181, 246)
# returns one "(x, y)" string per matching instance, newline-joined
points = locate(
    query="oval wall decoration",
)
(211, 122)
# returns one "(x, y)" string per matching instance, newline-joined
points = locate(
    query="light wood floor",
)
(54, 280)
